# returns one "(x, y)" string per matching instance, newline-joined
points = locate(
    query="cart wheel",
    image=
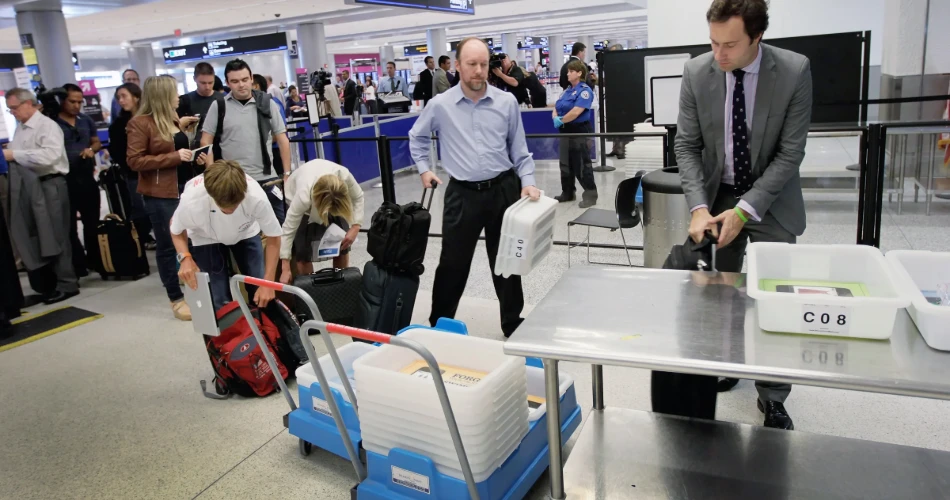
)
(220, 388)
(305, 448)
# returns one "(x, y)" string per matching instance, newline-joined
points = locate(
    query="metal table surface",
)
(704, 323)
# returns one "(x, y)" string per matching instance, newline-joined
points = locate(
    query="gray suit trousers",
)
(57, 201)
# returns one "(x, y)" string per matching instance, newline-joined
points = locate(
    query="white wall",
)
(683, 22)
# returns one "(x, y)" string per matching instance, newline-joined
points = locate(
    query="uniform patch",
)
(585, 95)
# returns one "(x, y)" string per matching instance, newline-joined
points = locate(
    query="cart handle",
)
(311, 353)
(434, 370)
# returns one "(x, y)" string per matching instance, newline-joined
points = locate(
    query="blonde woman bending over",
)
(322, 193)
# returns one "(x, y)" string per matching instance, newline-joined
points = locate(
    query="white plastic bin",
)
(870, 316)
(536, 388)
(919, 270)
(527, 236)
(348, 354)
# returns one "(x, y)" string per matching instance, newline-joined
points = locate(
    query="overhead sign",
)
(456, 6)
(454, 45)
(76, 64)
(9, 62)
(415, 50)
(534, 42)
(231, 47)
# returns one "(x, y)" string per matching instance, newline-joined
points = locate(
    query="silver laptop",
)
(202, 307)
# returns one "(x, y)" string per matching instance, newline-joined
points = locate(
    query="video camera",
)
(319, 80)
(51, 100)
(495, 60)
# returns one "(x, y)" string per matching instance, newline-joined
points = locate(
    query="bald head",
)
(471, 44)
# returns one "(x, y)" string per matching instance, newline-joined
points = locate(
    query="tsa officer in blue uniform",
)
(572, 115)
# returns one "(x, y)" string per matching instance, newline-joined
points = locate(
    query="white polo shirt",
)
(206, 224)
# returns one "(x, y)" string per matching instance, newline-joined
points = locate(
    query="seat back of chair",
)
(626, 204)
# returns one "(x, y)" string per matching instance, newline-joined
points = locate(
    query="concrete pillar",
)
(509, 44)
(46, 26)
(312, 47)
(290, 64)
(386, 54)
(556, 52)
(536, 58)
(438, 46)
(142, 59)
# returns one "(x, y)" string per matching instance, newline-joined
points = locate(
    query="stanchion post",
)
(872, 184)
(879, 190)
(386, 169)
(863, 155)
(602, 99)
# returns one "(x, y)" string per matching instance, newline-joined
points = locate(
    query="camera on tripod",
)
(319, 80)
(495, 60)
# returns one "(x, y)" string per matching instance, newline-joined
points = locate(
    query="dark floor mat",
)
(30, 328)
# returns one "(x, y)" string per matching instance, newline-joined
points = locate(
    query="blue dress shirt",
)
(395, 84)
(479, 140)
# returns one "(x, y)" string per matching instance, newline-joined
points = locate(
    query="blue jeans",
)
(276, 203)
(160, 211)
(213, 259)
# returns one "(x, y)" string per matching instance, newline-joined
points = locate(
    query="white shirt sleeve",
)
(264, 213)
(181, 220)
(299, 206)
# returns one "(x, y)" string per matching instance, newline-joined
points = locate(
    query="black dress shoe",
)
(776, 416)
(564, 198)
(726, 384)
(612, 153)
(58, 296)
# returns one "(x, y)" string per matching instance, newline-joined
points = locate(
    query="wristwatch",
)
(182, 256)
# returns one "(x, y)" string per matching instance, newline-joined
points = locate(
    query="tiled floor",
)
(112, 409)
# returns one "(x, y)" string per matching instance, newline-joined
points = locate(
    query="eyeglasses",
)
(12, 109)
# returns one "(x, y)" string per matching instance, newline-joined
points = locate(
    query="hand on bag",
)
(350, 237)
(286, 275)
(531, 192)
(184, 154)
(187, 271)
(263, 296)
(427, 179)
(701, 221)
(731, 225)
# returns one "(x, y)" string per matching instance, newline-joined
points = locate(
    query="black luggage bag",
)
(121, 251)
(398, 236)
(386, 299)
(336, 293)
(682, 394)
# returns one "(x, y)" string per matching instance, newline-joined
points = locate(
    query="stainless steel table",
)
(704, 323)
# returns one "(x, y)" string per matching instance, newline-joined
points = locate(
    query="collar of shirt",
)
(756, 64)
(230, 97)
(458, 95)
(33, 122)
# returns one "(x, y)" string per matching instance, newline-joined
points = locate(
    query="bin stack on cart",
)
(527, 236)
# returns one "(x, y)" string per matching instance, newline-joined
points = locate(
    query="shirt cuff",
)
(749, 210)
(697, 207)
(528, 180)
(422, 167)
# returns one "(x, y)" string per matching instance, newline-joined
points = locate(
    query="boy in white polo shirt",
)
(224, 211)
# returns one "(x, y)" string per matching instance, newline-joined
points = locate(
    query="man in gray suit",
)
(745, 109)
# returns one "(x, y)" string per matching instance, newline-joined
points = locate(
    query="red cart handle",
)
(273, 285)
(359, 333)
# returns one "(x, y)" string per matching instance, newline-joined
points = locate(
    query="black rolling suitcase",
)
(386, 299)
(121, 251)
(682, 394)
(113, 182)
(335, 291)
(398, 236)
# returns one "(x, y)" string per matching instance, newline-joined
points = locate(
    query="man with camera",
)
(508, 76)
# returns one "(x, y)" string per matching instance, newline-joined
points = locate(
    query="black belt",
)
(44, 178)
(484, 185)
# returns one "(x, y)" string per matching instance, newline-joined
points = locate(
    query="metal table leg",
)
(901, 173)
(552, 395)
(597, 376)
(930, 176)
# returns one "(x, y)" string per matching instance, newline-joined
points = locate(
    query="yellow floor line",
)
(48, 333)
(29, 316)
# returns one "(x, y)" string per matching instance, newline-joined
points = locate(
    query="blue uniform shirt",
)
(579, 95)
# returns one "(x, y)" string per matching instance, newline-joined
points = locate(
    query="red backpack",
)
(238, 360)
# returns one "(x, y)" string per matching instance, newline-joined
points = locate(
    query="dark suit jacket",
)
(563, 81)
(350, 97)
(423, 90)
(453, 78)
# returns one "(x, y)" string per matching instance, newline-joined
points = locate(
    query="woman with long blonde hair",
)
(321, 193)
(158, 150)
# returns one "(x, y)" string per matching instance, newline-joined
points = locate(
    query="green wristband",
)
(741, 215)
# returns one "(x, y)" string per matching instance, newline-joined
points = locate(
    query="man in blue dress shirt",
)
(485, 154)
(392, 82)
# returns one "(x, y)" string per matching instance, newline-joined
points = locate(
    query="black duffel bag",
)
(398, 236)
(336, 293)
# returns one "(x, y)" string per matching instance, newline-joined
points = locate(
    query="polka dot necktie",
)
(742, 166)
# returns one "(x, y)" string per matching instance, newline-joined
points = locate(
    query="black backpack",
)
(262, 99)
(398, 236)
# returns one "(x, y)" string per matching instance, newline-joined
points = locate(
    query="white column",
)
(312, 46)
(509, 45)
(290, 64)
(45, 23)
(556, 52)
(142, 59)
(386, 54)
(438, 46)
(536, 58)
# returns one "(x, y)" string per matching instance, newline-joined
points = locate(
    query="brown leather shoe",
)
(181, 310)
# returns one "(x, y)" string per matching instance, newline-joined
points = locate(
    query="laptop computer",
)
(202, 307)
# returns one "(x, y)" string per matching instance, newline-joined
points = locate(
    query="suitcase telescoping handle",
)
(431, 190)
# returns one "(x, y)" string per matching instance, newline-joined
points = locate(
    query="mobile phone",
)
(814, 290)
(195, 153)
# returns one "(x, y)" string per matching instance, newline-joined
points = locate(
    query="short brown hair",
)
(464, 42)
(226, 183)
(578, 65)
(331, 197)
(754, 14)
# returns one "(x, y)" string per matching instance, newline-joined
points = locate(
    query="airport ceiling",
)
(103, 28)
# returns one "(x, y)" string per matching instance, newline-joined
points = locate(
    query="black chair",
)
(624, 216)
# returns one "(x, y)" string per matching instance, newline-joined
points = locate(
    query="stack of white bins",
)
(917, 271)
(402, 410)
(644, 153)
(348, 353)
(527, 236)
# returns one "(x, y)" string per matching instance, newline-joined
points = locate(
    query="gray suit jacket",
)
(780, 122)
(30, 225)
(441, 81)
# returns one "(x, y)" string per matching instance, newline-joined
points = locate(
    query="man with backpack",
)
(246, 130)
(199, 101)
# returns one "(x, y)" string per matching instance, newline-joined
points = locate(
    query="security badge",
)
(585, 95)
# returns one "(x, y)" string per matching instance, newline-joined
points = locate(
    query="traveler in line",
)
(755, 102)
(425, 87)
(274, 90)
(159, 151)
(392, 82)
(128, 76)
(350, 94)
(249, 131)
(81, 138)
(572, 115)
(485, 154)
(321, 193)
(38, 146)
(129, 95)
(260, 83)
(295, 104)
(369, 95)
(198, 101)
(441, 79)
(223, 212)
